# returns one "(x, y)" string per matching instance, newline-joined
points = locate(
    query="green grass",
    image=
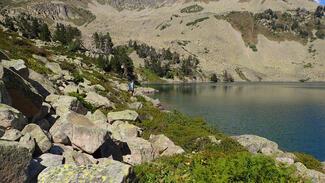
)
(309, 161)
(21, 48)
(215, 168)
(187, 132)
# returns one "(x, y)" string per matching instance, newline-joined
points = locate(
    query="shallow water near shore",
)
(291, 114)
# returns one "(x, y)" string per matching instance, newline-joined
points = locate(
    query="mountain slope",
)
(216, 42)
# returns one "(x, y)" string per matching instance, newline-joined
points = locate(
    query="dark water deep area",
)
(291, 114)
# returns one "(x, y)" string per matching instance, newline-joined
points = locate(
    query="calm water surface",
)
(291, 114)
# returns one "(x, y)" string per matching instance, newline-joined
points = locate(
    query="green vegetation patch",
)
(190, 133)
(309, 161)
(81, 98)
(149, 76)
(214, 167)
(192, 9)
(197, 21)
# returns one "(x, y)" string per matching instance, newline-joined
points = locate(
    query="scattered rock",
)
(77, 158)
(64, 104)
(256, 144)
(163, 146)
(145, 90)
(14, 160)
(105, 172)
(11, 135)
(39, 164)
(126, 115)
(140, 151)
(71, 88)
(11, 118)
(54, 67)
(42, 140)
(98, 101)
(135, 105)
(28, 141)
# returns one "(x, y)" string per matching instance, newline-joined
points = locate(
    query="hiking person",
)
(131, 87)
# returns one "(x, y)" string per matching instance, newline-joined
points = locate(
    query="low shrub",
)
(81, 98)
(214, 167)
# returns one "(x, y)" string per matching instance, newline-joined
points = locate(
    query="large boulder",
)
(163, 146)
(41, 83)
(140, 151)
(14, 160)
(123, 130)
(43, 142)
(64, 104)
(98, 101)
(24, 96)
(4, 95)
(18, 66)
(98, 118)
(11, 117)
(127, 115)
(80, 131)
(256, 144)
(105, 172)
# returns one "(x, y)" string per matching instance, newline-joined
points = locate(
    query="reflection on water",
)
(292, 114)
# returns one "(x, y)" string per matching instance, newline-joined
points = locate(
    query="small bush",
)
(81, 98)
(77, 77)
(214, 78)
(253, 47)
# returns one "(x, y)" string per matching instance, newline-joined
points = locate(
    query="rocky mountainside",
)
(224, 35)
(65, 118)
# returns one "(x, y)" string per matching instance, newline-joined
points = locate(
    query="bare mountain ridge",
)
(218, 43)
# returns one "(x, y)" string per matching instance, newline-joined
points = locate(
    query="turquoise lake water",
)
(291, 114)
